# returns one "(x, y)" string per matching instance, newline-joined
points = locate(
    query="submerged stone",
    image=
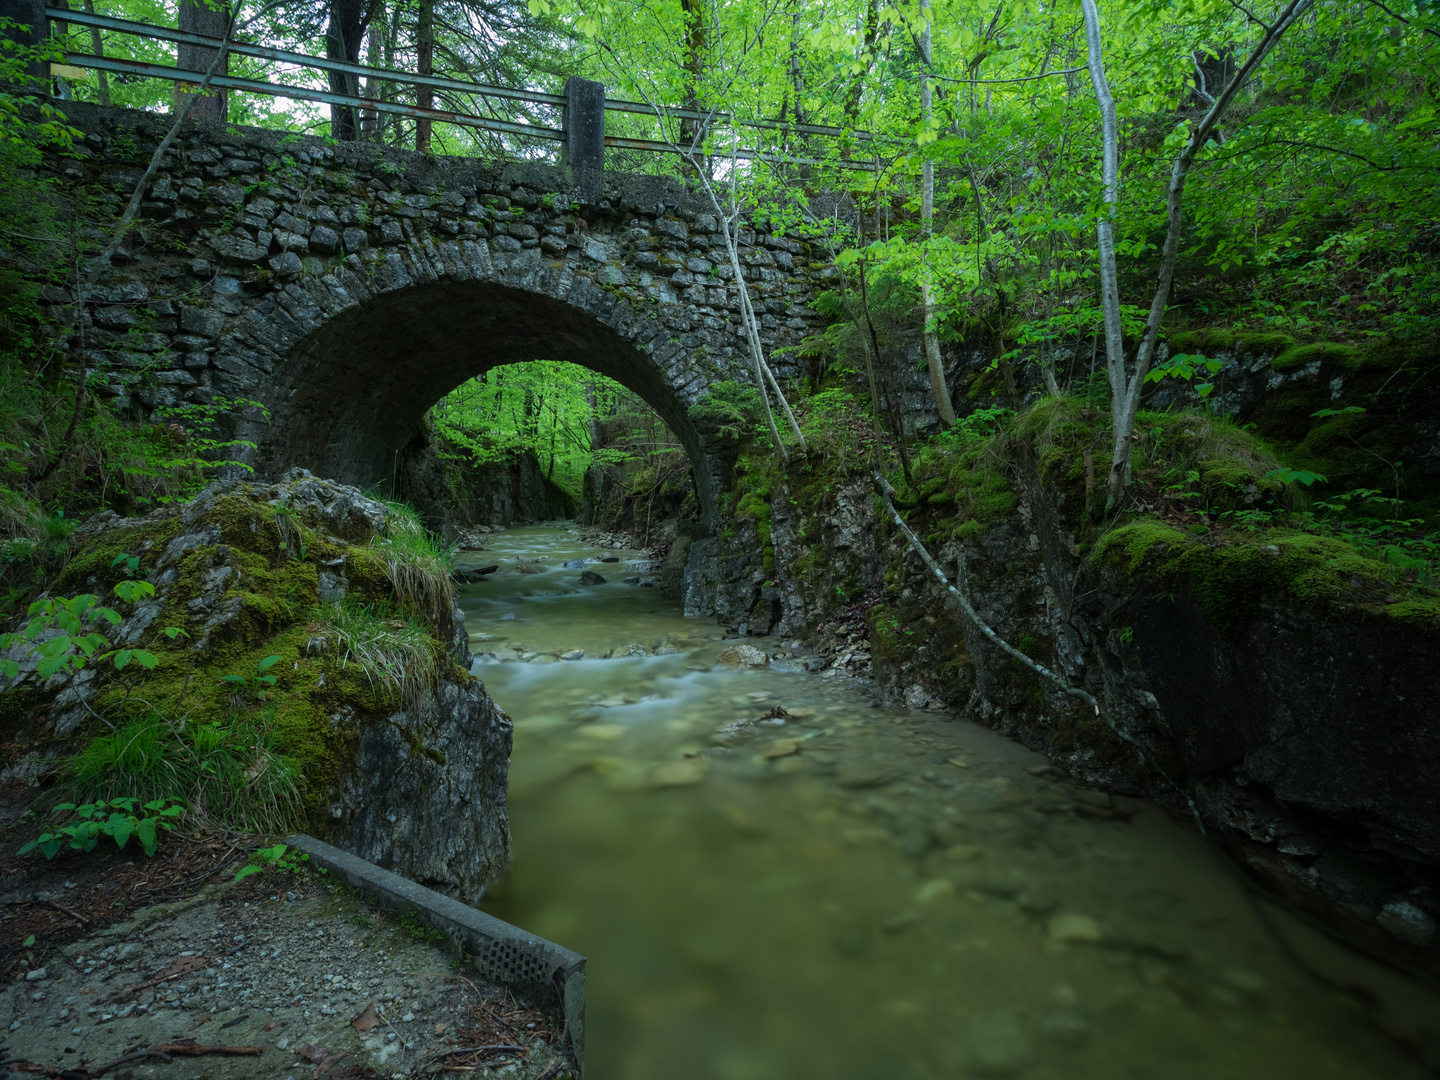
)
(742, 656)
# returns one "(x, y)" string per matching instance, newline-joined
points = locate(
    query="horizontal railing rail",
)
(119, 65)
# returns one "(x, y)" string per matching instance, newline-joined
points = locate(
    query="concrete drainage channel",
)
(546, 974)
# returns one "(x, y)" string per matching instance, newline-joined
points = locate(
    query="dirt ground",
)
(164, 967)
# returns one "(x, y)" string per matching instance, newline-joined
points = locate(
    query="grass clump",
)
(226, 772)
(418, 561)
(397, 652)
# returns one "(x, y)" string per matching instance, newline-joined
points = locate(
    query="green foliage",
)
(278, 857)
(731, 408)
(256, 685)
(228, 771)
(56, 636)
(543, 406)
(116, 818)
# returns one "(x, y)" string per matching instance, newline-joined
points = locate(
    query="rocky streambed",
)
(779, 870)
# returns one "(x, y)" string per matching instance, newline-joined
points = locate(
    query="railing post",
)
(32, 14)
(584, 147)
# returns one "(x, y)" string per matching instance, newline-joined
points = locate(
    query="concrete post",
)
(584, 147)
(32, 14)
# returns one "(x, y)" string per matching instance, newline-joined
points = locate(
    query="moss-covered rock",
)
(308, 617)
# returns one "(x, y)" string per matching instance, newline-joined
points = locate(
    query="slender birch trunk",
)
(1126, 385)
(931, 339)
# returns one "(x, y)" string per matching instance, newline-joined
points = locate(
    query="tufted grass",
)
(419, 562)
(396, 651)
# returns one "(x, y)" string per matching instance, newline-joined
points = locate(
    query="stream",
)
(855, 892)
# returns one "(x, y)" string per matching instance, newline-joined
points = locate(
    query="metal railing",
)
(139, 68)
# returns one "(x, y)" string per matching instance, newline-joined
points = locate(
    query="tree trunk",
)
(343, 37)
(1125, 385)
(694, 13)
(98, 48)
(424, 65)
(197, 17)
(855, 93)
(1105, 227)
(933, 363)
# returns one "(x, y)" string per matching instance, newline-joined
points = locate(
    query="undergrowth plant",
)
(117, 818)
(227, 772)
(278, 857)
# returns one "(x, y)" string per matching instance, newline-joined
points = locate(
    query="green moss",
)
(321, 699)
(1207, 341)
(1323, 352)
(1421, 612)
(1137, 540)
(1261, 342)
(1232, 579)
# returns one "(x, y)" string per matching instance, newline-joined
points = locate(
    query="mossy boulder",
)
(301, 616)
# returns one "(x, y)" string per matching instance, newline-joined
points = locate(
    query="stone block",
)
(202, 322)
(355, 240)
(323, 240)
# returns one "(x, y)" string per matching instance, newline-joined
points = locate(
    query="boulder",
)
(744, 656)
(348, 668)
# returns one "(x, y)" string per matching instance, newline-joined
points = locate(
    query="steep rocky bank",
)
(452, 495)
(1278, 679)
(315, 635)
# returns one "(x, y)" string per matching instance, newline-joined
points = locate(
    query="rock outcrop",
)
(399, 754)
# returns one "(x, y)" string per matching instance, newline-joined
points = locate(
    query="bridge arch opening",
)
(353, 392)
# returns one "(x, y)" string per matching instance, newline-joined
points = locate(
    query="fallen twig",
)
(473, 1049)
(127, 1058)
(198, 1051)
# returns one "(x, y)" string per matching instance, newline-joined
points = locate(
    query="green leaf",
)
(10, 668)
(120, 827)
(267, 663)
(148, 835)
(29, 941)
(233, 678)
(146, 659)
(1295, 476)
(246, 871)
(122, 659)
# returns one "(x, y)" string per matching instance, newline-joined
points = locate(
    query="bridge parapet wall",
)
(255, 242)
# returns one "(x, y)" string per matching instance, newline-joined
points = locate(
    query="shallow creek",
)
(856, 893)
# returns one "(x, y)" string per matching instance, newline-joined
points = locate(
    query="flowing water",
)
(854, 893)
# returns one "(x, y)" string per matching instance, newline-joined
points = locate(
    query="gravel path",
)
(280, 962)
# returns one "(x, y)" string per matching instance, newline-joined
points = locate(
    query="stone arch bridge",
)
(348, 287)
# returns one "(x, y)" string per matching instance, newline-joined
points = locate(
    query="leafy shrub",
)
(731, 408)
(116, 819)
